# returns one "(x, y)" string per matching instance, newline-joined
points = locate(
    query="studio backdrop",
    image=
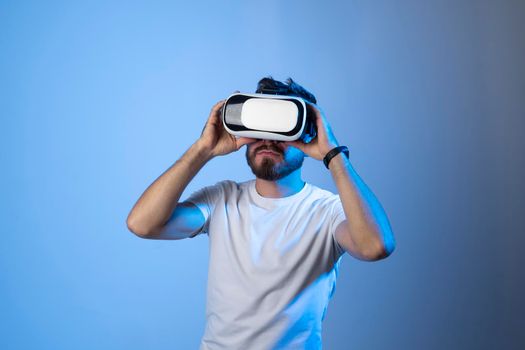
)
(98, 98)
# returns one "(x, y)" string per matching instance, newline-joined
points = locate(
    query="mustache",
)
(269, 147)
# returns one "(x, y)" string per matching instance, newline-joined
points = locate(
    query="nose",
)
(273, 144)
(269, 142)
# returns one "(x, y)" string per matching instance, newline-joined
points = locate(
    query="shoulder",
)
(323, 199)
(318, 193)
(229, 185)
(220, 188)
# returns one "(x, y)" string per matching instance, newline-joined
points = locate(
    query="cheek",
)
(293, 153)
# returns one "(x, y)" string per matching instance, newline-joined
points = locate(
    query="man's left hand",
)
(325, 140)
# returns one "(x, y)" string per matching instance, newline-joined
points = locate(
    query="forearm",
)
(367, 221)
(154, 208)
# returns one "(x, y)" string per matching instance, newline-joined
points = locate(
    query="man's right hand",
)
(215, 140)
(158, 214)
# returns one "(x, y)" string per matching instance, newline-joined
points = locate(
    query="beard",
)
(270, 170)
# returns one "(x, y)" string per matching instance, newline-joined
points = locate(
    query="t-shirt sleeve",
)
(206, 199)
(337, 215)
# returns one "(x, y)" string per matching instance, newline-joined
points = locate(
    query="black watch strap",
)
(333, 153)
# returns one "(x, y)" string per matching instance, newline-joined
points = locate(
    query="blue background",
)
(98, 98)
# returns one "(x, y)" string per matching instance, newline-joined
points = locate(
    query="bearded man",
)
(275, 241)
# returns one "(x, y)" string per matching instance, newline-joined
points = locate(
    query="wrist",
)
(333, 153)
(201, 151)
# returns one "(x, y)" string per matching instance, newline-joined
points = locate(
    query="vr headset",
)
(270, 117)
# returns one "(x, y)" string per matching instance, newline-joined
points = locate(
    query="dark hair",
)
(269, 85)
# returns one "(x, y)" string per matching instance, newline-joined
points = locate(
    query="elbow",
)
(380, 250)
(133, 229)
(384, 252)
(390, 244)
(137, 229)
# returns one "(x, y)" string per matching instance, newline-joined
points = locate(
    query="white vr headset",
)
(271, 117)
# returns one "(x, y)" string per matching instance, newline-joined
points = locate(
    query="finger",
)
(218, 106)
(316, 111)
(241, 141)
(220, 103)
(297, 144)
(215, 111)
(312, 107)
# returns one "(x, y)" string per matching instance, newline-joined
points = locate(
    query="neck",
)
(284, 187)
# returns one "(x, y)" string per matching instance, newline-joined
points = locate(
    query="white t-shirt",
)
(273, 265)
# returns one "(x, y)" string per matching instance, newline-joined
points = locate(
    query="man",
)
(276, 241)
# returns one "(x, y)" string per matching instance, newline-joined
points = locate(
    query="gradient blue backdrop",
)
(98, 98)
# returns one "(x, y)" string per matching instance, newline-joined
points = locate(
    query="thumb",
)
(241, 141)
(297, 144)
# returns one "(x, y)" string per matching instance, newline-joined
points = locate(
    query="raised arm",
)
(158, 214)
(366, 233)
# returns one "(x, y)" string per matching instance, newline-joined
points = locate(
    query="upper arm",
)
(186, 221)
(343, 237)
